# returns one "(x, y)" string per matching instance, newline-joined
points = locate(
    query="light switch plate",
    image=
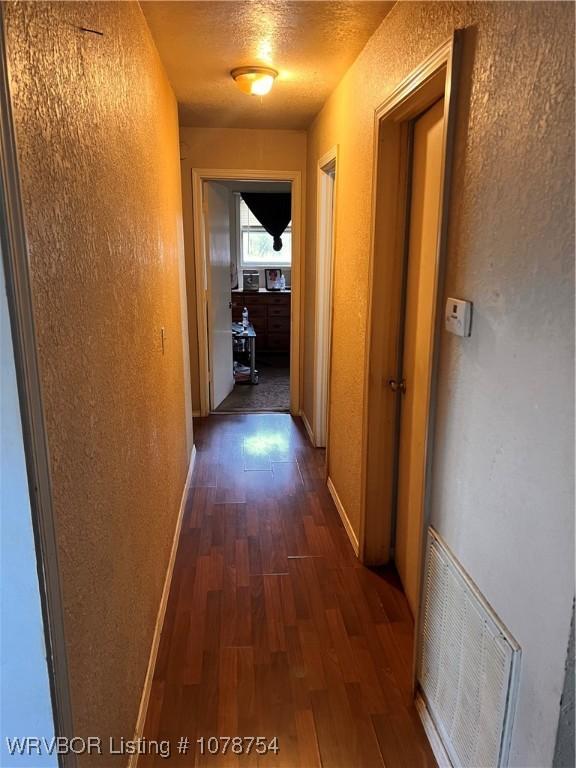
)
(458, 316)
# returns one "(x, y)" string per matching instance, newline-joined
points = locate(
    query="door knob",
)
(397, 386)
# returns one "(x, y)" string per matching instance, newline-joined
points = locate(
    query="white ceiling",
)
(311, 44)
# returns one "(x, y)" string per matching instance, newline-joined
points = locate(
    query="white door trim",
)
(325, 233)
(199, 175)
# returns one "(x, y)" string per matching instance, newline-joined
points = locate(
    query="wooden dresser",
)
(269, 313)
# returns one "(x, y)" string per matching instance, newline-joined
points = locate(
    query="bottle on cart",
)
(245, 318)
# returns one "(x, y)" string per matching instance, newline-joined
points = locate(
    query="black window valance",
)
(273, 210)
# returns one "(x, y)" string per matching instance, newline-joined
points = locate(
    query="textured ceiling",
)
(311, 44)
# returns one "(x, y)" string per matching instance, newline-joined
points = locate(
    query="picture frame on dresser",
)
(272, 279)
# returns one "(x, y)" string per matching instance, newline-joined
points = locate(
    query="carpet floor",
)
(272, 393)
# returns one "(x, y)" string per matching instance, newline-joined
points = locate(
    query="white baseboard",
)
(344, 517)
(133, 760)
(432, 734)
(308, 427)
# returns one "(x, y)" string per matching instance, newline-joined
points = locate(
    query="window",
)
(256, 244)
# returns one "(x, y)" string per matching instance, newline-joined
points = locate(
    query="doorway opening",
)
(247, 238)
(413, 138)
(261, 291)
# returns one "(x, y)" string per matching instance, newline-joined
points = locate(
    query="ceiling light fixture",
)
(256, 81)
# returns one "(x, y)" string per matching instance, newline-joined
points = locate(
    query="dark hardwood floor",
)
(273, 628)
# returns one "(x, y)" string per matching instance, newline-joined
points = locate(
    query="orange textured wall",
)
(503, 463)
(97, 134)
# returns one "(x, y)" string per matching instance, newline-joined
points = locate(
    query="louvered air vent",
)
(468, 664)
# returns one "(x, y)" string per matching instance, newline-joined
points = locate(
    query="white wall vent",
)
(468, 664)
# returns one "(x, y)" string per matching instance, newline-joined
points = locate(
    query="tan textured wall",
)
(218, 148)
(98, 145)
(503, 495)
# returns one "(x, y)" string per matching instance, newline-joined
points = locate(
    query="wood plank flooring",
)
(273, 628)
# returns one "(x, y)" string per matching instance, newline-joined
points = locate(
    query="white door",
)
(418, 345)
(217, 229)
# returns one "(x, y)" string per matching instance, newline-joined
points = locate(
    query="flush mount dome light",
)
(256, 81)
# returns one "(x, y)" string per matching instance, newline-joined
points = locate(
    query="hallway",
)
(273, 628)
(171, 574)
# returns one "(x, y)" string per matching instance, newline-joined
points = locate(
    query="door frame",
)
(24, 341)
(199, 176)
(435, 78)
(325, 246)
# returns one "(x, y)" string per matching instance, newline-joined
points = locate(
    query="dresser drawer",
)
(278, 341)
(254, 310)
(260, 325)
(278, 324)
(253, 297)
(278, 311)
(278, 299)
(256, 315)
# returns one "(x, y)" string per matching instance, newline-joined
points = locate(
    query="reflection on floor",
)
(273, 628)
(272, 393)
